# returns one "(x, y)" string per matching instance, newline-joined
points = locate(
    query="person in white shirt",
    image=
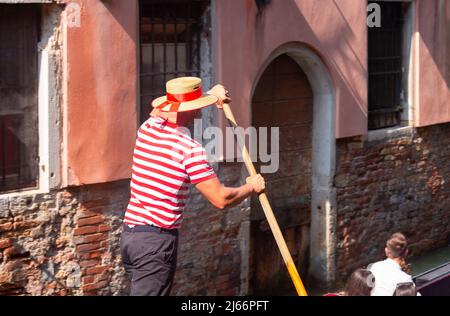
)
(392, 271)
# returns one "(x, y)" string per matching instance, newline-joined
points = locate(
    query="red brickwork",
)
(63, 243)
(397, 184)
(67, 242)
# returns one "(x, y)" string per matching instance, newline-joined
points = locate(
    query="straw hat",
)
(182, 95)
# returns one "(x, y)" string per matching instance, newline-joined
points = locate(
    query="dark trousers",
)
(149, 255)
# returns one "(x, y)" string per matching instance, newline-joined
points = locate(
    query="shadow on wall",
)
(437, 41)
(119, 10)
(341, 48)
(336, 39)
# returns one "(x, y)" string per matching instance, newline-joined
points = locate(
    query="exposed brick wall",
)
(67, 242)
(397, 184)
(63, 243)
(209, 253)
(97, 235)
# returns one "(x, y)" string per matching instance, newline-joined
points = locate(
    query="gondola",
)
(434, 282)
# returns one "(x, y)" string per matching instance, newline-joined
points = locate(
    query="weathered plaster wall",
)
(335, 29)
(50, 97)
(101, 74)
(67, 242)
(64, 242)
(102, 78)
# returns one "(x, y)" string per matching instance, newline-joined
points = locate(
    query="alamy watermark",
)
(226, 144)
(373, 15)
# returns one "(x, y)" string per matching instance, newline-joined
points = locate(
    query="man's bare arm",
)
(223, 197)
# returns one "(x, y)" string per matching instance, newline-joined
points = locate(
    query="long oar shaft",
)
(268, 210)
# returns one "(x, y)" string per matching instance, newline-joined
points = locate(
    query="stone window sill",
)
(390, 132)
(24, 192)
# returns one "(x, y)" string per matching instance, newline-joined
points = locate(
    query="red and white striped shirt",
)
(165, 160)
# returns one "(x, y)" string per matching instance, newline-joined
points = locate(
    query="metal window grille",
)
(385, 67)
(19, 35)
(170, 34)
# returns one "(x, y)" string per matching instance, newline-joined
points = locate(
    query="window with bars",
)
(170, 39)
(387, 94)
(19, 34)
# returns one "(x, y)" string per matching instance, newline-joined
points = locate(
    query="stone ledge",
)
(390, 133)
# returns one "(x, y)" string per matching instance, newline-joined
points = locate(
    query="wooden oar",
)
(268, 210)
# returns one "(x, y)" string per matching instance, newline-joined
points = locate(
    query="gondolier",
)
(166, 161)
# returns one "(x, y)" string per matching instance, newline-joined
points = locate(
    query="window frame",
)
(49, 84)
(198, 71)
(409, 54)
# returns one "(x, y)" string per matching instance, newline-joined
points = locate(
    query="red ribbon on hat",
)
(175, 100)
(185, 97)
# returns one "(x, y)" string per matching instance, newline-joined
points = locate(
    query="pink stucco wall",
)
(101, 70)
(434, 78)
(101, 92)
(335, 29)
